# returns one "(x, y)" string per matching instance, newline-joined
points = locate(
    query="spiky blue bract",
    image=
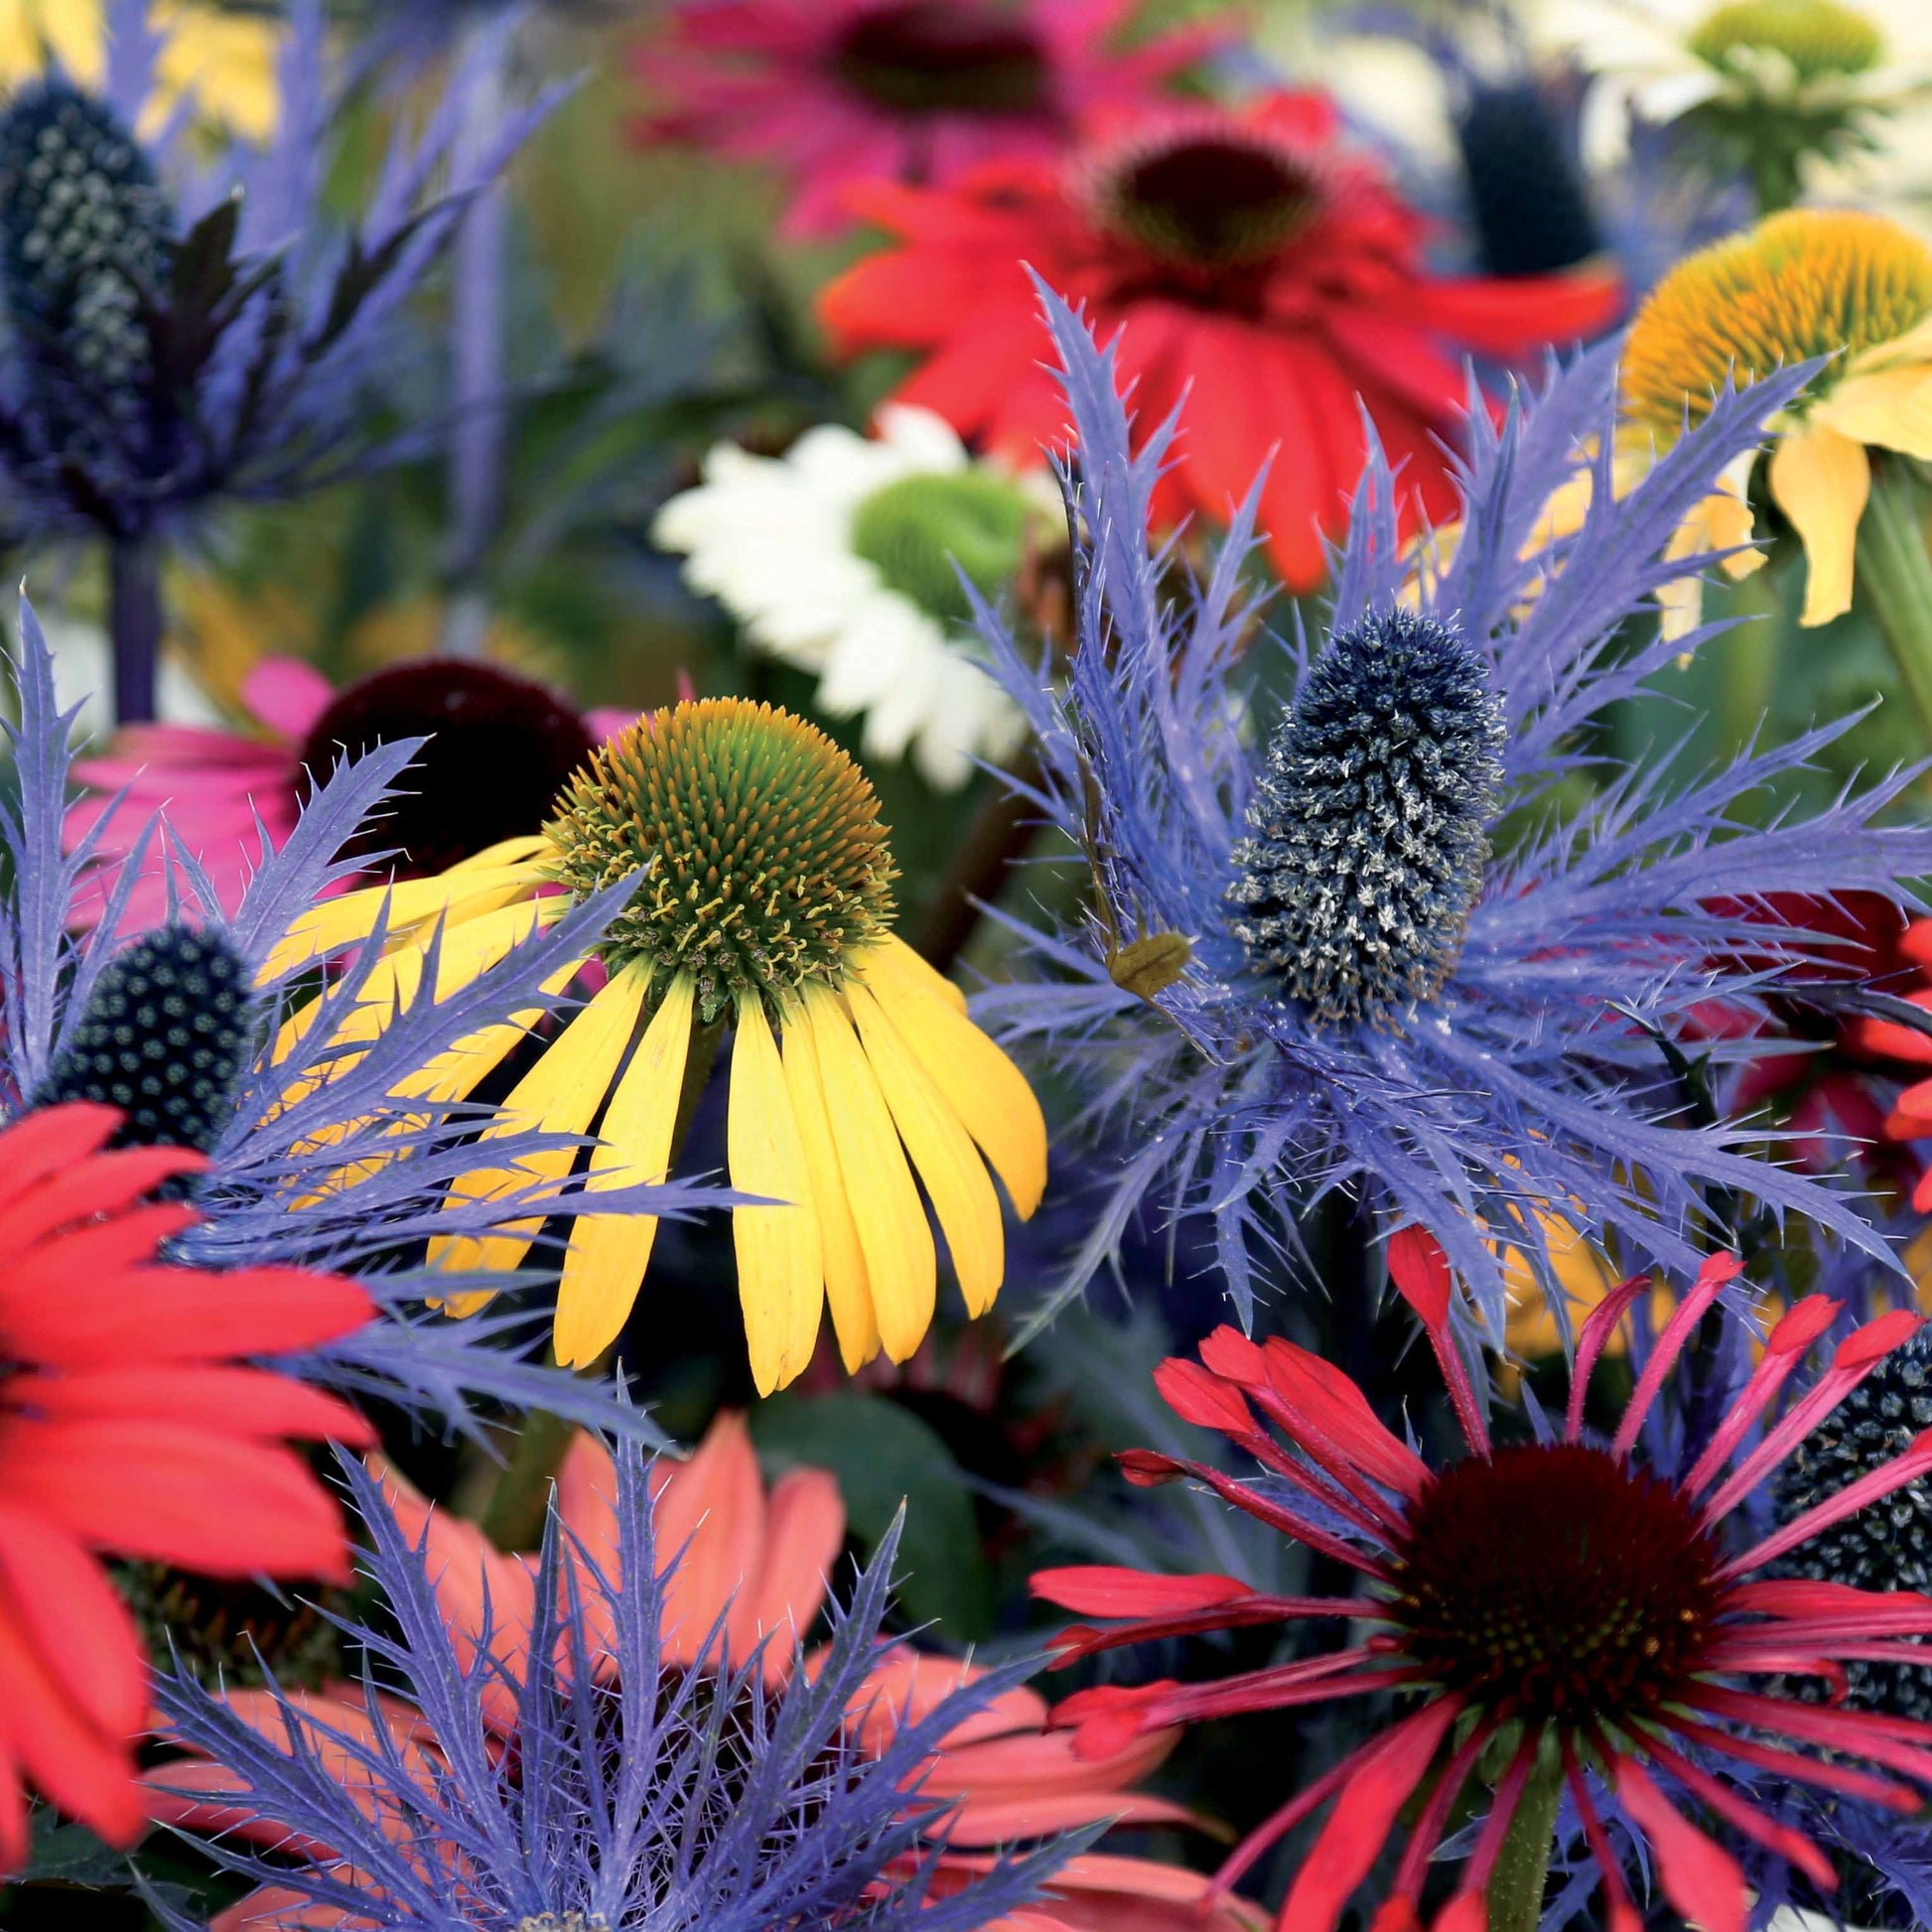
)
(275, 1190)
(634, 1792)
(256, 339)
(1538, 1077)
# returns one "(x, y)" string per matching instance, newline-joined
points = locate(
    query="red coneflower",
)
(132, 1426)
(1554, 1612)
(1257, 267)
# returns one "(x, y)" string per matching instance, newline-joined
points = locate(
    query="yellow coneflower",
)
(1806, 283)
(766, 905)
(223, 63)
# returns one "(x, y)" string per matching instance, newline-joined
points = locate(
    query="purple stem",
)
(134, 625)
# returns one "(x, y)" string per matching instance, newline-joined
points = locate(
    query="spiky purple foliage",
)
(1544, 1071)
(637, 1792)
(291, 1127)
(256, 346)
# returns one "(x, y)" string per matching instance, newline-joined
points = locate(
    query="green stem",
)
(1523, 1867)
(512, 1518)
(1894, 576)
(995, 843)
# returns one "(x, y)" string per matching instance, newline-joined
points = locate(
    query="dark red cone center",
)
(499, 750)
(937, 57)
(1556, 1585)
(1207, 203)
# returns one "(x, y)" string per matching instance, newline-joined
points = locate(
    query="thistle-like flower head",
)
(179, 335)
(705, 1798)
(1369, 821)
(1425, 947)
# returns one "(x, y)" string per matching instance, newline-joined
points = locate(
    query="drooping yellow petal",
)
(559, 1095)
(901, 1266)
(954, 1175)
(780, 1265)
(846, 1286)
(454, 896)
(609, 1253)
(1891, 408)
(983, 1088)
(1820, 481)
(915, 967)
(505, 852)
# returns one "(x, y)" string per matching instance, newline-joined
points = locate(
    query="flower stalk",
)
(1895, 575)
(134, 625)
(1516, 1887)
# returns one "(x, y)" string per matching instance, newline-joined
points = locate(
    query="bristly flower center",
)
(1887, 1546)
(914, 532)
(767, 861)
(1207, 199)
(499, 746)
(1814, 37)
(166, 1036)
(1369, 822)
(1810, 282)
(1555, 1584)
(940, 57)
(84, 245)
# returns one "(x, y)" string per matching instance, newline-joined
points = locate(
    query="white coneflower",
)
(839, 558)
(1779, 86)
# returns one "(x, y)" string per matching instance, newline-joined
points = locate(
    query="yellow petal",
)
(781, 1269)
(901, 1268)
(560, 1095)
(955, 1177)
(1820, 481)
(980, 1085)
(609, 1253)
(338, 923)
(916, 967)
(1891, 408)
(846, 1286)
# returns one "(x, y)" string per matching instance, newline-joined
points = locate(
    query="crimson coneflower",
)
(1549, 1617)
(1255, 265)
(132, 1425)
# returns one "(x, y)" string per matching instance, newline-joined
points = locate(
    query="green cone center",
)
(916, 530)
(1819, 38)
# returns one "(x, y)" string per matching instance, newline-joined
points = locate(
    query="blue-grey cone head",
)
(1369, 822)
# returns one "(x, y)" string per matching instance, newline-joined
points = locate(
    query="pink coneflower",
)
(752, 1562)
(1554, 1612)
(500, 746)
(839, 91)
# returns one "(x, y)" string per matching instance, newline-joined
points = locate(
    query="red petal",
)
(1364, 1815)
(1700, 1877)
(174, 1494)
(1102, 1590)
(86, 1772)
(1200, 1396)
(1877, 1338)
(105, 1183)
(180, 1315)
(74, 1621)
(1420, 1271)
(231, 1401)
(49, 1141)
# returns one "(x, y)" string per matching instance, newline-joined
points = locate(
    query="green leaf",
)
(881, 1454)
(71, 1854)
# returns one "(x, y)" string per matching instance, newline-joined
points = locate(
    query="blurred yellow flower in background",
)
(223, 61)
(1852, 287)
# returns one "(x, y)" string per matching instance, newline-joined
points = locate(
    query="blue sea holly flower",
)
(330, 1145)
(181, 335)
(1411, 939)
(633, 1792)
